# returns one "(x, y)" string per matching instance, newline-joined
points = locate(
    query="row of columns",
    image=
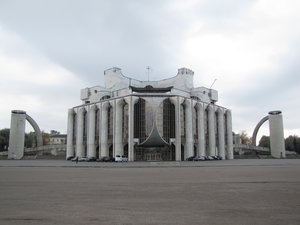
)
(118, 121)
(189, 144)
(117, 106)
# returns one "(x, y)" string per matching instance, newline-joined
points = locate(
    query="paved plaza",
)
(218, 192)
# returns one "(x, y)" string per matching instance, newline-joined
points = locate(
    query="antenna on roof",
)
(148, 68)
(213, 83)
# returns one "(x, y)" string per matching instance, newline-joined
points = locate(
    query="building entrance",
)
(165, 153)
(153, 156)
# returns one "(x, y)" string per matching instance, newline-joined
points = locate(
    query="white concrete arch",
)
(38, 133)
(17, 133)
(276, 133)
(260, 123)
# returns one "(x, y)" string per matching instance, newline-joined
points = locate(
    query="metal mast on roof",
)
(148, 68)
(213, 83)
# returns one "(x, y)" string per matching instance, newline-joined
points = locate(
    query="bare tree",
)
(245, 139)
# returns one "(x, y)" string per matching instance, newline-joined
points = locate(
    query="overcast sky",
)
(49, 50)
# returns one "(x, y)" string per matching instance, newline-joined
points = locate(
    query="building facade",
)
(167, 120)
(57, 139)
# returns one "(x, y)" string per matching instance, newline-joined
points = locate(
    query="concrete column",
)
(80, 130)
(113, 112)
(189, 142)
(238, 142)
(131, 100)
(201, 134)
(229, 152)
(221, 133)
(177, 101)
(118, 142)
(104, 151)
(70, 134)
(276, 134)
(98, 142)
(17, 134)
(91, 147)
(211, 130)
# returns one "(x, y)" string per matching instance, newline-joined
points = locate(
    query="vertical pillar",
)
(131, 100)
(118, 142)
(229, 134)
(238, 142)
(113, 112)
(70, 134)
(211, 130)
(80, 130)
(276, 134)
(221, 133)
(201, 135)
(17, 134)
(104, 151)
(91, 148)
(98, 142)
(188, 129)
(177, 101)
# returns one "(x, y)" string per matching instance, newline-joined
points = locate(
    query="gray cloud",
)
(87, 37)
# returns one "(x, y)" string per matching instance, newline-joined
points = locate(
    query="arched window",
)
(195, 98)
(168, 120)
(105, 97)
(140, 120)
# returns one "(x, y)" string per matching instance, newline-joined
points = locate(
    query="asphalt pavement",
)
(58, 192)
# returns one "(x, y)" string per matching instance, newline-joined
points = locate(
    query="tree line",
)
(292, 143)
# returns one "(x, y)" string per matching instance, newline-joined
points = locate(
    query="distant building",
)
(57, 139)
(168, 119)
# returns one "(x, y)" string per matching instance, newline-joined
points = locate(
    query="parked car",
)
(112, 159)
(199, 158)
(91, 159)
(191, 158)
(209, 157)
(217, 157)
(106, 159)
(124, 158)
(83, 159)
(101, 159)
(75, 159)
(118, 158)
(70, 157)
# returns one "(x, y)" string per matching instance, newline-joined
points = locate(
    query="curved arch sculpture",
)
(17, 133)
(38, 133)
(261, 122)
(276, 133)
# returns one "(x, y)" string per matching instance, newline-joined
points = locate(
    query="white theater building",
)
(168, 119)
